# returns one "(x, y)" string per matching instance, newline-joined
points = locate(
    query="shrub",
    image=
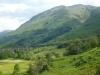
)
(80, 62)
(98, 69)
(39, 67)
(16, 70)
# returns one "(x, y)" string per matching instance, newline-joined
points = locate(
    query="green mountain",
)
(55, 25)
(5, 32)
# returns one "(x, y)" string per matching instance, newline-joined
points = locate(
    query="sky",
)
(13, 13)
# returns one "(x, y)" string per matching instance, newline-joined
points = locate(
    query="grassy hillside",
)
(90, 27)
(80, 64)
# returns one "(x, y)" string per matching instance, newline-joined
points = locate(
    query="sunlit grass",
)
(6, 66)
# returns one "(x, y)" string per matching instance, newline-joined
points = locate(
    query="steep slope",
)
(90, 27)
(56, 17)
(59, 23)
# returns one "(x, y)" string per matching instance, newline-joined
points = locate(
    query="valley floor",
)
(7, 66)
(81, 64)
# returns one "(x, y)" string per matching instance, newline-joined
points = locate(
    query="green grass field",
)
(6, 66)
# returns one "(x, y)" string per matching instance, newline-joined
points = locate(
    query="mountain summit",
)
(57, 14)
(58, 24)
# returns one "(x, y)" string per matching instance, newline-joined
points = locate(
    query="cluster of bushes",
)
(41, 64)
(16, 53)
(80, 61)
(19, 53)
(26, 53)
(81, 45)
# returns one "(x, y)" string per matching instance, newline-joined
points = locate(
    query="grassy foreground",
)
(6, 66)
(81, 64)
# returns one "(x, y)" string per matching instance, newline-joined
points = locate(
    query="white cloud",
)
(59, 2)
(7, 19)
(7, 23)
(95, 2)
(13, 7)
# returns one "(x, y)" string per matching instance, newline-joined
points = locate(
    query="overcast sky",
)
(15, 12)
